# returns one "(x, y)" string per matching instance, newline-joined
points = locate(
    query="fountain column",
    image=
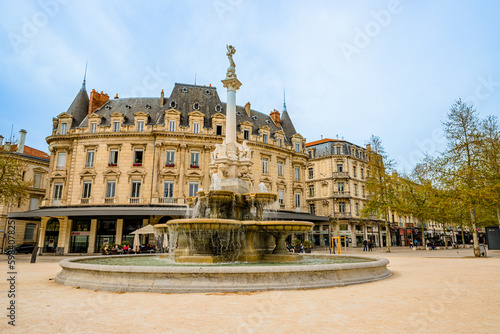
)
(232, 84)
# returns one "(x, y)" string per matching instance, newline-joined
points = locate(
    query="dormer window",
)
(246, 134)
(207, 91)
(218, 108)
(173, 104)
(254, 117)
(264, 138)
(184, 90)
(297, 147)
(93, 127)
(268, 121)
(280, 142)
(171, 126)
(148, 106)
(116, 126)
(107, 107)
(127, 107)
(196, 106)
(196, 127)
(64, 128)
(218, 129)
(238, 113)
(140, 126)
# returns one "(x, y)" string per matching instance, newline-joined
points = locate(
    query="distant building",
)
(336, 174)
(36, 173)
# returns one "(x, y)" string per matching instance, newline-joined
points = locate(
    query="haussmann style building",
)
(122, 163)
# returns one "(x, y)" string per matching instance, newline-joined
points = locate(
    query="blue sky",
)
(350, 68)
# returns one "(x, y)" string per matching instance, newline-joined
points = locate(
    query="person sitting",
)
(106, 250)
(126, 248)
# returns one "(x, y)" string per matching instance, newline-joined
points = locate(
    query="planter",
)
(308, 249)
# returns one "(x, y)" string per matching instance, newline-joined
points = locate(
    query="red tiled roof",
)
(321, 141)
(35, 153)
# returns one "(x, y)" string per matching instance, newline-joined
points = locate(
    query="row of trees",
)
(460, 186)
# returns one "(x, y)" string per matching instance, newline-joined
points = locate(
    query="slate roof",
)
(79, 107)
(183, 98)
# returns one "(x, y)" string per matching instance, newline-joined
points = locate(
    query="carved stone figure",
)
(231, 69)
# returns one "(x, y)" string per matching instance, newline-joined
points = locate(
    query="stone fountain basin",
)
(202, 224)
(218, 196)
(285, 226)
(264, 198)
(203, 279)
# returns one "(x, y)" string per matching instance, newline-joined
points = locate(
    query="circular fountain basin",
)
(263, 198)
(202, 224)
(219, 278)
(289, 226)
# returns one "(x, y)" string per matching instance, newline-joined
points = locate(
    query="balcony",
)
(138, 164)
(341, 175)
(171, 200)
(282, 206)
(341, 194)
(169, 165)
(85, 201)
(135, 200)
(194, 166)
(342, 214)
(109, 200)
(112, 164)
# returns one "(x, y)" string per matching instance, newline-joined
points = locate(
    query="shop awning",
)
(102, 211)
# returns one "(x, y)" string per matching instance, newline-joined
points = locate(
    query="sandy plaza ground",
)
(442, 291)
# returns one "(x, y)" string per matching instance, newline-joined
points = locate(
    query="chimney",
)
(162, 98)
(22, 140)
(247, 109)
(275, 115)
(116, 96)
(97, 100)
(1, 140)
(368, 147)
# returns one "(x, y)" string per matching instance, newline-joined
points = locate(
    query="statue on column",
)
(231, 69)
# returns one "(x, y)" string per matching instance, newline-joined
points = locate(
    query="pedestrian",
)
(410, 243)
(370, 245)
(365, 244)
(416, 243)
(301, 248)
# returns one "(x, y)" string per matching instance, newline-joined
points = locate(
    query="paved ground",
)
(442, 291)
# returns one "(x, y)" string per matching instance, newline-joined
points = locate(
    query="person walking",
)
(370, 245)
(365, 244)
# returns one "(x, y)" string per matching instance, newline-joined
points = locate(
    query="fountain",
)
(206, 251)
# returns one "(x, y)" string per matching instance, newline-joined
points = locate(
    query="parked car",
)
(25, 248)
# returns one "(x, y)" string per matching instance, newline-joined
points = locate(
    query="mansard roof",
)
(187, 98)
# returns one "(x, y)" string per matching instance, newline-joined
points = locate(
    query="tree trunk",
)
(388, 237)
(463, 237)
(498, 216)
(474, 231)
(445, 239)
(423, 234)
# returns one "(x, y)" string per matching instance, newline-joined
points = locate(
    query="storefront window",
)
(80, 233)
(106, 233)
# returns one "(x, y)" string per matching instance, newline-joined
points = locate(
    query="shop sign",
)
(78, 233)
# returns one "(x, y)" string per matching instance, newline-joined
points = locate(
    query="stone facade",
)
(36, 174)
(131, 153)
(336, 174)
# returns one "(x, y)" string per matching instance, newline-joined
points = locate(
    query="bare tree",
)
(380, 186)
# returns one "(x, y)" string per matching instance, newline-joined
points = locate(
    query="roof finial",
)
(84, 77)
(284, 100)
